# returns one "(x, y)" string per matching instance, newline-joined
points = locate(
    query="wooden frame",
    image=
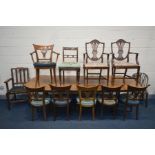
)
(69, 68)
(119, 64)
(43, 49)
(95, 66)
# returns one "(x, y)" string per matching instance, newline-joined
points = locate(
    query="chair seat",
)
(125, 64)
(61, 102)
(107, 101)
(69, 65)
(44, 64)
(18, 89)
(86, 102)
(38, 103)
(95, 65)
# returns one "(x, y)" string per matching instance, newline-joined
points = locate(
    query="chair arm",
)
(7, 85)
(57, 55)
(136, 56)
(32, 55)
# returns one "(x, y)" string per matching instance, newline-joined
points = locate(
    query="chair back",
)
(111, 93)
(60, 92)
(120, 49)
(43, 53)
(36, 94)
(94, 51)
(87, 92)
(70, 53)
(135, 93)
(20, 76)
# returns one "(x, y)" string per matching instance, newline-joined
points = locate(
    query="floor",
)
(20, 118)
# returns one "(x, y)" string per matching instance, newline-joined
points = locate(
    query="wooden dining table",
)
(45, 81)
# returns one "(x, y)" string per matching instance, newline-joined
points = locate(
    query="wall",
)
(16, 44)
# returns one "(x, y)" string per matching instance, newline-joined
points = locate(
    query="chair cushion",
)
(86, 102)
(121, 63)
(38, 103)
(18, 89)
(61, 102)
(44, 64)
(69, 64)
(107, 101)
(95, 65)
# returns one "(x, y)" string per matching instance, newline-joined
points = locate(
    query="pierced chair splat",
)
(95, 59)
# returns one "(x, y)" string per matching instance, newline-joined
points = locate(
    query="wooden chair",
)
(42, 58)
(122, 60)
(134, 98)
(110, 98)
(143, 80)
(37, 100)
(94, 59)
(68, 65)
(15, 85)
(87, 98)
(60, 98)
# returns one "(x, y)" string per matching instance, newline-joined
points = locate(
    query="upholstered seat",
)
(107, 101)
(86, 102)
(18, 89)
(38, 103)
(98, 65)
(124, 64)
(69, 64)
(44, 64)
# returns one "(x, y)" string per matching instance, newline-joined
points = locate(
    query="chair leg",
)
(137, 111)
(107, 76)
(8, 100)
(33, 110)
(84, 75)
(44, 113)
(54, 110)
(68, 112)
(80, 113)
(60, 76)
(101, 110)
(100, 76)
(51, 75)
(138, 70)
(63, 77)
(93, 113)
(146, 100)
(87, 76)
(37, 77)
(114, 111)
(125, 112)
(54, 71)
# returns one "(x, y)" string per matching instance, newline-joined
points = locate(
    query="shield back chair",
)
(60, 96)
(68, 64)
(143, 80)
(43, 58)
(123, 59)
(95, 59)
(37, 100)
(110, 98)
(134, 98)
(15, 85)
(87, 98)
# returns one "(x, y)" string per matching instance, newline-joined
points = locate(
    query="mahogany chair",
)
(134, 98)
(95, 59)
(43, 58)
(70, 62)
(37, 100)
(87, 98)
(122, 59)
(143, 80)
(15, 85)
(110, 98)
(60, 96)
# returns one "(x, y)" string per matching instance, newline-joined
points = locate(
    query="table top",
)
(45, 81)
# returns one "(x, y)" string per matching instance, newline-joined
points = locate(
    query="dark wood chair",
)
(37, 100)
(60, 96)
(110, 98)
(43, 58)
(122, 59)
(134, 98)
(95, 59)
(87, 98)
(15, 85)
(143, 80)
(70, 63)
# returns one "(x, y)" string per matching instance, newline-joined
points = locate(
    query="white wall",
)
(16, 44)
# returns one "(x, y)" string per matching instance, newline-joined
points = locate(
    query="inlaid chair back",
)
(94, 51)
(120, 49)
(60, 92)
(20, 76)
(87, 93)
(70, 54)
(43, 53)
